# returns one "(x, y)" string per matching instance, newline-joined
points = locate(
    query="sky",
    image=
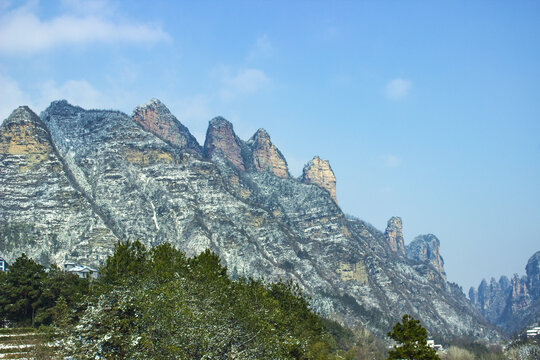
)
(427, 110)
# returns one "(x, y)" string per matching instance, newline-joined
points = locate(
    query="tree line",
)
(157, 303)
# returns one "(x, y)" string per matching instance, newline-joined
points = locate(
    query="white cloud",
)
(76, 92)
(23, 32)
(11, 96)
(262, 48)
(390, 161)
(398, 88)
(245, 81)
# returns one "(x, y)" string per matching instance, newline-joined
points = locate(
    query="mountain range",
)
(74, 182)
(511, 304)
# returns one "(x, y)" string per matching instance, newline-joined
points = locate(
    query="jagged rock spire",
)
(394, 235)
(319, 172)
(266, 156)
(425, 248)
(533, 275)
(156, 118)
(222, 141)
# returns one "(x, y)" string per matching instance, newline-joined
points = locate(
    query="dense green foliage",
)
(158, 304)
(411, 337)
(29, 294)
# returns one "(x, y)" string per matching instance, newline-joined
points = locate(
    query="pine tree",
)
(412, 341)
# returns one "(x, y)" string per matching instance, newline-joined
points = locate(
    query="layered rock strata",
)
(42, 213)
(318, 172)
(266, 156)
(222, 141)
(157, 119)
(118, 181)
(394, 235)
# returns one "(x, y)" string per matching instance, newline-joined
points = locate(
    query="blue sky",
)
(426, 110)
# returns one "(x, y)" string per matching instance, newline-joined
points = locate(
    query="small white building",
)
(437, 347)
(534, 332)
(82, 271)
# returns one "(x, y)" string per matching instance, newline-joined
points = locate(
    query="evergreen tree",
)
(128, 261)
(412, 341)
(171, 307)
(20, 291)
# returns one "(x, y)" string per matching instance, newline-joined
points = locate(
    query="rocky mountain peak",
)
(23, 133)
(222, 141)
(103, 178)
(318, 172)
(512, 303)
(533, 275)
(63, 108)
(261, 134)
(156, 118)
(266, 156)
(425, 248)
(394, 235)
(22, 115)
(519, 286)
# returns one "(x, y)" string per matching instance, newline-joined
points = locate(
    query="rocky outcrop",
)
(425, 248)
(222, 141)
(533, 275)
(318, 172)
(510, 304)
(42, 213)
(266, 156)
(491, 298)
(157, 119)
(394, 235)
(105, 178)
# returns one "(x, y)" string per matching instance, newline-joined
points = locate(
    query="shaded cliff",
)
(425, 248)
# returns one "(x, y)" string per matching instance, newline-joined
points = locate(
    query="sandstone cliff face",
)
(41, 212)
(426, 248)
(222, 141)
(510, 304)
(157, 119)
(394, 235)
(266, 155)
(319, 172)
(119, 181)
